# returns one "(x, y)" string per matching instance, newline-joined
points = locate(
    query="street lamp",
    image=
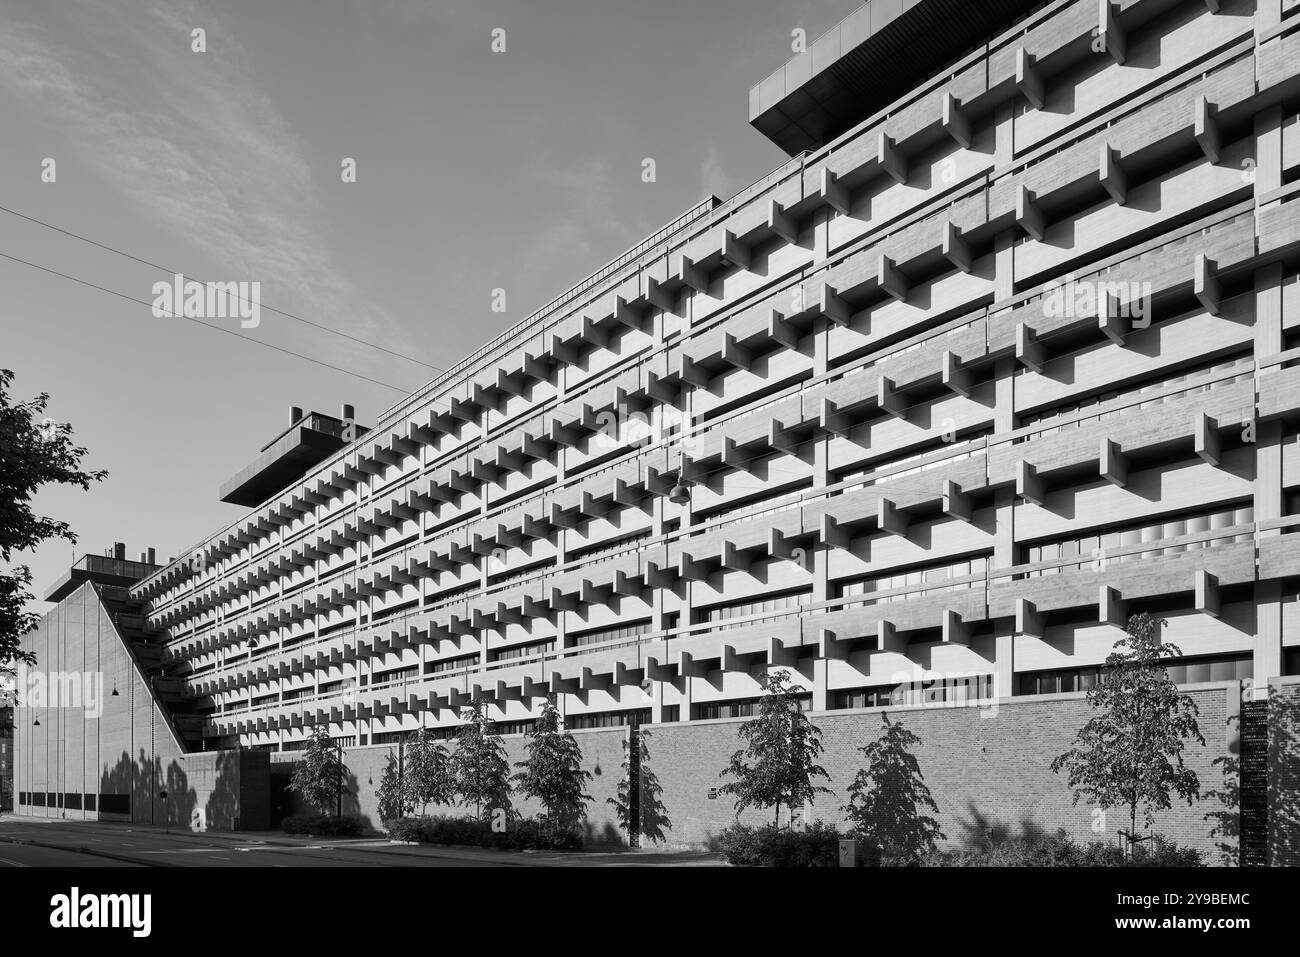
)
(680, 493)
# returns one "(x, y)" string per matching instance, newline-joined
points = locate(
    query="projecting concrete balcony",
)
(1152, 205)
(1187, 34)
(1279, 219)
(1191, 422)
(1279, 385)
(1279, 548)
(1167, 566)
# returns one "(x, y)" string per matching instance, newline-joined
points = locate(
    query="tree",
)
(479, 766)
(33, 452)
(553, 772)
(318, 776)
(888, 797)
(1131, 754)
(653, 816)
(776, 768)
(389, 792)
(429, 778)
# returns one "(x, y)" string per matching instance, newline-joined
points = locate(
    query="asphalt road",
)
(86, 844)
(40, 843)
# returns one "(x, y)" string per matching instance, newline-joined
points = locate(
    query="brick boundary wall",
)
(989, 770)
(1284, 772)
(602, 757)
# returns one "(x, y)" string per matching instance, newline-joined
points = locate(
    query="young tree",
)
(888, 797)
(553, 772)
(479, 766)
(34, 451)
(429, 778)
(389, 792)
(319, 774)
(1131, 753)
(652, 813)
(776, 768)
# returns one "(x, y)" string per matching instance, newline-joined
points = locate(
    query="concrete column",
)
(1004, 265)
(1268, 632)
(656, 702)
(687, 698)
(1268, 14)
(1004, 134)
(821, 685)
(1004, 415)
(1268, 312)
(1004, 671)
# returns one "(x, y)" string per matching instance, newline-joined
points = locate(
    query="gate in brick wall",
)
(1254, 784)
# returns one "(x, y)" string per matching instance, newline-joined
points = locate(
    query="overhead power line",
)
(153, 265)
(231, 332)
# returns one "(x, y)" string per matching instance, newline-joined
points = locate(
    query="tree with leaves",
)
(553, 772)
(479, 765)
(34, 452)
(1131, 753)
(318, 775)
(390, 791)
(429, 778)
(888, 799)
(777, 766)
(652, 813)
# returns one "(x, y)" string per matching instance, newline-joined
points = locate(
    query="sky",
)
(475, 171)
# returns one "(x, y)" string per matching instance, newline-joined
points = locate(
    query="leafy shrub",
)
(324, 825)
(817, 846)
(1058, 850)
(520, 834)
(408, 829)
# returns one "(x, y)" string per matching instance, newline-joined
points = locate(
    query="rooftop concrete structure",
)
(309, 440)
(867, 60)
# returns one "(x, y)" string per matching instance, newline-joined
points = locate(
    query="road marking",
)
(5, 860)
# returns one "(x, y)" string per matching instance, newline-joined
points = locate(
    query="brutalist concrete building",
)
(1005, 353)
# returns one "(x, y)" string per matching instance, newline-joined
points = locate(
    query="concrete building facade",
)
(1005, 352)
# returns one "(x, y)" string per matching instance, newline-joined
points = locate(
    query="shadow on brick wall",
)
(1284, 776)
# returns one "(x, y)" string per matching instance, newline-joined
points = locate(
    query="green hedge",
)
(324, 825)
(520, 834)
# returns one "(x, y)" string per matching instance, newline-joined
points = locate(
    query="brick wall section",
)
(1284, 772)
(602, 756)
(990, 771)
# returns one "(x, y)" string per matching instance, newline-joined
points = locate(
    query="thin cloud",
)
(200, 150)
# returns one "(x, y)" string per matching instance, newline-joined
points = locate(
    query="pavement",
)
(42, 842)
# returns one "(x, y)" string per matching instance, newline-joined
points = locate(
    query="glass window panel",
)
(1197, 671)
